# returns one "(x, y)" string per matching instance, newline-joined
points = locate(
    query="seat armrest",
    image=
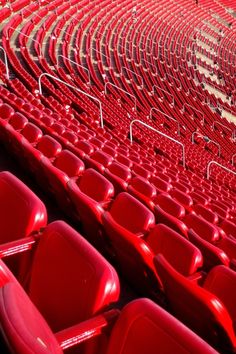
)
(198, 277)
(85, 330)
(18, 246)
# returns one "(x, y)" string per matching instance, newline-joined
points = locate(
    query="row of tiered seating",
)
(152, 212)
(64, 285)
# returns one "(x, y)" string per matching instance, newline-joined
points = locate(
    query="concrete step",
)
(218, 94)
(221, 20)
(210, 25)
(204, 45)
(208, 74)
(208, 36)
(229, 116)
(232, 12)
(204, 58)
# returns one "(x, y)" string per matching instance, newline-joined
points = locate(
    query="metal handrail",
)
(232, 159)
(218, 164)
(98, 51)
(200, 94)
(123, 67)
(153, 91)
(157, 131)
(119, 88)
(185, 69)
(6, 62)
(75, 88)
(151, 64)
(72, 61)
(166, 115)
(216, 122)
(23, 34)
(207, 140)
(169, 75)
(186, 104)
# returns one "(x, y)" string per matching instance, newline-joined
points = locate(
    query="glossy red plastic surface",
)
(197, 307)
(21, 211)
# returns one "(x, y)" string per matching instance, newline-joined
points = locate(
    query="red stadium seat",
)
(22, 212)
(34, 335)
(144, 327)
(90, 195)
(182, 254)
(57, 173)
(141, 189)
(208, 314)
(171, 206)
(119, 175)
(32, 133)
(125, 224)
(212, 254)
(229, 227)
(64, 264)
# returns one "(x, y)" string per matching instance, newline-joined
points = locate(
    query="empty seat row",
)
(69, 289)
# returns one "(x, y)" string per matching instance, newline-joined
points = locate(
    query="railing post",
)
(216, 122)
(192, 90)
(75, 88)
(104, 55)
(81, 66)
(119, 88)
(166, 115)
(232, 159)
(6, 62)
(156, 86)
(32, 39)
(188, 105)
(177, 80)
(157, 131)
(151, 64)
(123, 67)
(207, 140)
(217, 164)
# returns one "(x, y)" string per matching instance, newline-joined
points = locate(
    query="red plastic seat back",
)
(58, 128)
(21, 211)
(170, 205)
(69, 163)
(70, 281)
(221, 281)
(85, 146)
(222, 213)
(179, 252)
(165, 218)
(32, 133)
(160, 184)
(182, 197)
(120, 170)
(101, 157)
(18, 121)
(49, 146)
(131, 214)
(96, 186)
(196, 307)
(23, 327)
(141, 171)
(212, 254)
(70, 136)
(6, 111)
(142, 186)
(144, 327)
(206, 213)
(229, 227)
(202, 227)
